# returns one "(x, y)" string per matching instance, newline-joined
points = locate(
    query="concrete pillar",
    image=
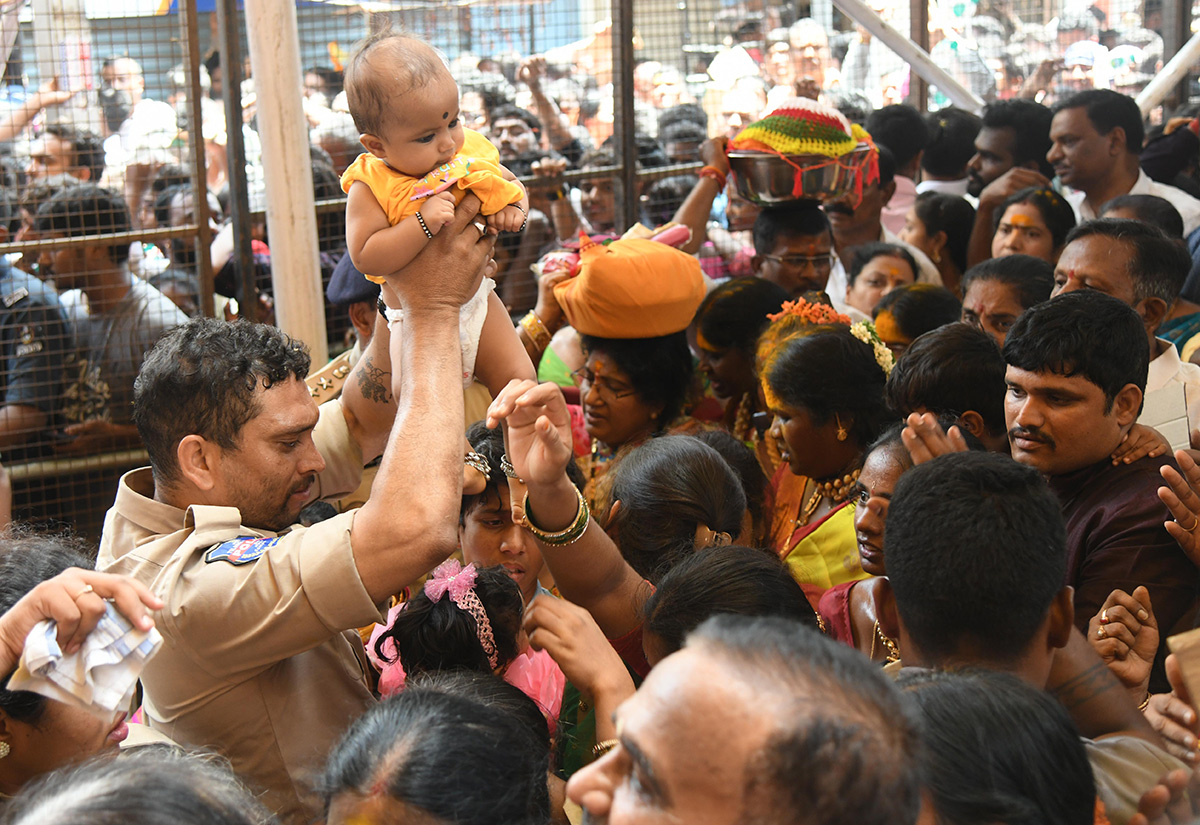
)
(287, 169)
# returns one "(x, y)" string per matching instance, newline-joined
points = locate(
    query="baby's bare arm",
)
(376, 247)
(502, 356)
(379, 249)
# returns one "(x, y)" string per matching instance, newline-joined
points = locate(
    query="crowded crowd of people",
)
(881, 509)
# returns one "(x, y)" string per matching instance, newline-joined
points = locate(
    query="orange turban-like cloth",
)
(632, 289)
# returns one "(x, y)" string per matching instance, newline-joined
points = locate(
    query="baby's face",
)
(425, 131)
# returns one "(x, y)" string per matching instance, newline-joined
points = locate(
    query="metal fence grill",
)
(130, 96)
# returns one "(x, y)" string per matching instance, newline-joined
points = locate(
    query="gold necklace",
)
(893, 652)
(836, 490)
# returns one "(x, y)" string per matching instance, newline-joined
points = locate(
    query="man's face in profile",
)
(686, 739)
(993, 157)
(270, 472)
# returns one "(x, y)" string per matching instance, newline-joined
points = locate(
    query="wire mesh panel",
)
(98, 203)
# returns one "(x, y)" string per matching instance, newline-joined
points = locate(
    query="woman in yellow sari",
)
(824, 384)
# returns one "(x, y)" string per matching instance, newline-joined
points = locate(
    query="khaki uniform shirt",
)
(257, 662)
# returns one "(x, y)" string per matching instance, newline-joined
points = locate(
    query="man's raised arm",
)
(410, 522)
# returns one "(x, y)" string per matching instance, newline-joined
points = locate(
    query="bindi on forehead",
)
(445, 115)
(1020, 220)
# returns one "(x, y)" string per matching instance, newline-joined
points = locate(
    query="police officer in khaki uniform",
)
(258, 663)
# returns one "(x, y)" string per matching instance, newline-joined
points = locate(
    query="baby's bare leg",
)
(502, 356)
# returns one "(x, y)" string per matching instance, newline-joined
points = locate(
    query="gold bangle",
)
(604, 747)
(571, 534)
(538, 334)
(1145, 702)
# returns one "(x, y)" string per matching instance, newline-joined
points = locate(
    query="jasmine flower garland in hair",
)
(865, 332)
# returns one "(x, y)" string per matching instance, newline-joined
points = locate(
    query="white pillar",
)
(287, 170)
(1166, 80)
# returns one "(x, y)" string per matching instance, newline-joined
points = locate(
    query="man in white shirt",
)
(141, 130)
(1095, 140)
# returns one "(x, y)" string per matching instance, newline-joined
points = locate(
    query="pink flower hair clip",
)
(451, 577)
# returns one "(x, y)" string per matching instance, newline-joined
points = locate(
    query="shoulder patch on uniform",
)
(239, 551)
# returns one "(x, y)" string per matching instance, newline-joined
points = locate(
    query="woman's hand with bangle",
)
(537, 432)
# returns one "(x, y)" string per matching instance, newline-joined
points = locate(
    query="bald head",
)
(385, 66)
(125, 74)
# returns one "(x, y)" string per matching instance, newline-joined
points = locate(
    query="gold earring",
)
(842, 435)
(937, 257)
(5, 749)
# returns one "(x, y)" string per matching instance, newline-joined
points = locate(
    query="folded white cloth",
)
(100, 676)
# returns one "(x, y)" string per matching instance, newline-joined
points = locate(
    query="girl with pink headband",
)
(464, 618)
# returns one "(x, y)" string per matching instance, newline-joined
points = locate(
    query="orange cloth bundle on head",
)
(631, 289)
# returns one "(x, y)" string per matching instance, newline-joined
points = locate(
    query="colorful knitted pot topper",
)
(806, 127)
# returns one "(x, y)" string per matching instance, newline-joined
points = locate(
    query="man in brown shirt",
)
(1076, 376)
(261, 662)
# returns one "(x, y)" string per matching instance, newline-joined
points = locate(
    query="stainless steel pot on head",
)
(768, 179)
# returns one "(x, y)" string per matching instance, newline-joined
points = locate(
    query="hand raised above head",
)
(448, 270)
(537, 430)
(532, 70)
(712, 152)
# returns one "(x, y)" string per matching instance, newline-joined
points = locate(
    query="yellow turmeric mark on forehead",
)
(1021, 220)
(888, 329)
(893, 271)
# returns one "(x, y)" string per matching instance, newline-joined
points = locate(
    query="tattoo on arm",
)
(372, 382)
(1093, 682)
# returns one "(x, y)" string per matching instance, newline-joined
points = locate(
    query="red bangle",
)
(715, 174)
